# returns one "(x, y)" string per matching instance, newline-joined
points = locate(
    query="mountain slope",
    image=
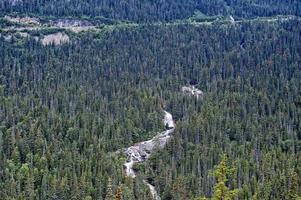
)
(149, 10)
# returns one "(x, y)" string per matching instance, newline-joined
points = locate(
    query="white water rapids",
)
(141, 151)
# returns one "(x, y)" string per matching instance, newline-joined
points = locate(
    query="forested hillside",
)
(67, 109)
(149, 10)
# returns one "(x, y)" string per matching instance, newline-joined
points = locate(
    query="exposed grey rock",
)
(56, 38)
(14, 2)
(192, 91)
(70, 23)
(23, 20)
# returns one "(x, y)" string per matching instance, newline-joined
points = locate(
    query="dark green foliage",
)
(152, 10)
(65, 109)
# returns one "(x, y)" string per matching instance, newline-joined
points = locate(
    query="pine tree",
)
(109, 192)
(29, 187)
(293, 187)
(221, 174)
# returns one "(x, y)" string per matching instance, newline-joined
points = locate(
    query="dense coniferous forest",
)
(66, 109)
(152, 10)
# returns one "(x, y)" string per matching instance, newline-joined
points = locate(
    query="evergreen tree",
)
(293, 187)
(109, 191)
(221, 173)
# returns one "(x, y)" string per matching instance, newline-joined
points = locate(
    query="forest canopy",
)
(151, 10)
(67, 109)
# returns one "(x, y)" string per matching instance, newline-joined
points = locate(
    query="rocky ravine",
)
(141, 151)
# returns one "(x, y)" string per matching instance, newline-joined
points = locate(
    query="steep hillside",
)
(148, 99)
(149, 10)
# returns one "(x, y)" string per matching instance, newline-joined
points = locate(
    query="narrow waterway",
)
(141, 151)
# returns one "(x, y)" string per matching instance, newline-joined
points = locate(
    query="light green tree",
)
(109, 194)
(293, 187)
(221, 174)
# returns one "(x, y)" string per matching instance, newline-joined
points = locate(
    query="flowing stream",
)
(141, 151)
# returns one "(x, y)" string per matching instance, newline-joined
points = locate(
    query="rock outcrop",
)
(192, 91)
(70, 23)
(23, 20)
(56, 39)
